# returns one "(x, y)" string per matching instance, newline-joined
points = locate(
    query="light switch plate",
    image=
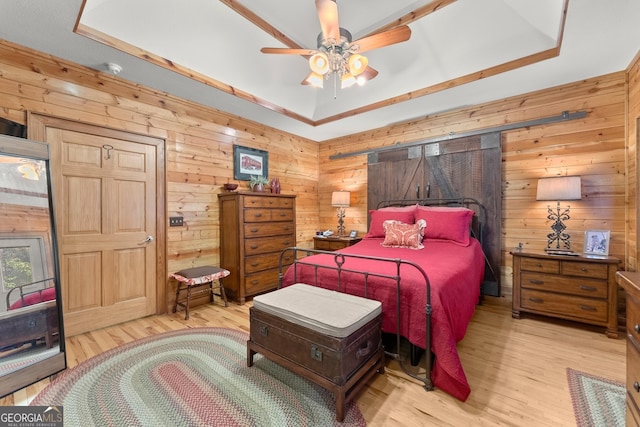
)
(176, 221)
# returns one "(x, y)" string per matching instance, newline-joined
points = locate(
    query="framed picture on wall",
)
(596, 242)
(249, 161)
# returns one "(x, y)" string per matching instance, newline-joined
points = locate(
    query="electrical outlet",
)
(175, 221)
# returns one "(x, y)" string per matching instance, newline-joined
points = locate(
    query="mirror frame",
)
(32, 373)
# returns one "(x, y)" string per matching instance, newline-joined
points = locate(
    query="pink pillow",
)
(401, 235)
(381, 215)
(446, 223)
(410, 208)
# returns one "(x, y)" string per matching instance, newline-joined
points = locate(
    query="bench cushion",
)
(200, 275)
(327, 312)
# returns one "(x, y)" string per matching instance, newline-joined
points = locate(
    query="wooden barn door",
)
(463, 167)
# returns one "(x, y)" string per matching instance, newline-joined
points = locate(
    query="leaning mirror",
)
(31, 332)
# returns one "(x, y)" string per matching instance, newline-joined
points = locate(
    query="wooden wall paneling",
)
(633, 138)
(199, 144)
(592, 147)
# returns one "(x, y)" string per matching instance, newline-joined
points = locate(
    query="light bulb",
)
(357, 64)
(319, 63)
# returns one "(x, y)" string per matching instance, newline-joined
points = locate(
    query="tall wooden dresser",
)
(254, 228)
(630, 281)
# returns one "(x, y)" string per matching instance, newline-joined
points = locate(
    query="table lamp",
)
(340, 200)
(559, 189)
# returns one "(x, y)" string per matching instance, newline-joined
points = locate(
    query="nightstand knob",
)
(539, 265)
(583, 269)
(636, 386)
(636, 328)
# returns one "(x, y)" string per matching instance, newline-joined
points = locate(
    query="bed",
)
(32, 315)
(431, 284)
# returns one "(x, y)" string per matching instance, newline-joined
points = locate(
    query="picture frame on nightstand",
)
(596, 242)
(353, 234)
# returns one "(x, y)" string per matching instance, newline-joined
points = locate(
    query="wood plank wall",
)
(199, 143)
(592, 147)
(200, 140)
(633, 136)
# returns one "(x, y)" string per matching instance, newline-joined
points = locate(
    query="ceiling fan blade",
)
(328, 16)
(288, 51)
(369, 73)
(396, 35)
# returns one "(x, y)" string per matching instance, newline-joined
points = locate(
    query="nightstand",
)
(577, 288)
(333, 243)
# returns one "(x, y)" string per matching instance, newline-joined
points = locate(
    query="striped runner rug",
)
(190, 377)
(597, 401)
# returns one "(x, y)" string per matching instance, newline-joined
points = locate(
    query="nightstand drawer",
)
(585, 269)
(541, 265)
(569, 285)
(568, 306)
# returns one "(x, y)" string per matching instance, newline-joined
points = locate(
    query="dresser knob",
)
(636, 328)
(588, 288)
(636, 386)
(584, 269)
(539, 265)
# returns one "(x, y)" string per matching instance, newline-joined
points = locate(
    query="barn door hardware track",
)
(451, 135)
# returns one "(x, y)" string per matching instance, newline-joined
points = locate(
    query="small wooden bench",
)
(330, 338)
(197, 281)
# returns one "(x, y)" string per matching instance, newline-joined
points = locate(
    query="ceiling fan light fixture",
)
(347, 80)
(357, 64)
(315, 80)
(319, 63)
(361, 80)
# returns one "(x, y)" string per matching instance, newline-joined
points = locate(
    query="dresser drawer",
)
(633, 373)
(267, 202)
(540, 265)
(269, 229)
(585, 269)
(256, 263)
(267, 215)
(633, 318)
(263, 245)
(564, 284)
(567, 306)
(261, 281)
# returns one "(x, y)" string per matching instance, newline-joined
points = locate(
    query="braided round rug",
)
(190, 377)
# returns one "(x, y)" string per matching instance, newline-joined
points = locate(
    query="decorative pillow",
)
(446, 223)
(401, 235)
(379, 216)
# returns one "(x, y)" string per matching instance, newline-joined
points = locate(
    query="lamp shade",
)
(559, 188)
(341, 199)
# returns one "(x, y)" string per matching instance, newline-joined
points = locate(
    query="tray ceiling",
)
(460, 52)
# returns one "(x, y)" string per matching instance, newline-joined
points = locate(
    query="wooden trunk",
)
(340, 365)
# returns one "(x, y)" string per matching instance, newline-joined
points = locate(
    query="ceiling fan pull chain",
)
(335, 85)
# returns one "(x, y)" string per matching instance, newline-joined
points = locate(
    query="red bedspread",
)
(455, 273)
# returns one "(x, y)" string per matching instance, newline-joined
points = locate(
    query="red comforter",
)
(455, 273)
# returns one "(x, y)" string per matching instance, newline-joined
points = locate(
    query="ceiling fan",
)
(337, 54)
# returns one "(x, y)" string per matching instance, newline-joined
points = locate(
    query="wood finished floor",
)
(516, 368)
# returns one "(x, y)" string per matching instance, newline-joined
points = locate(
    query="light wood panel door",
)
(105, 199)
